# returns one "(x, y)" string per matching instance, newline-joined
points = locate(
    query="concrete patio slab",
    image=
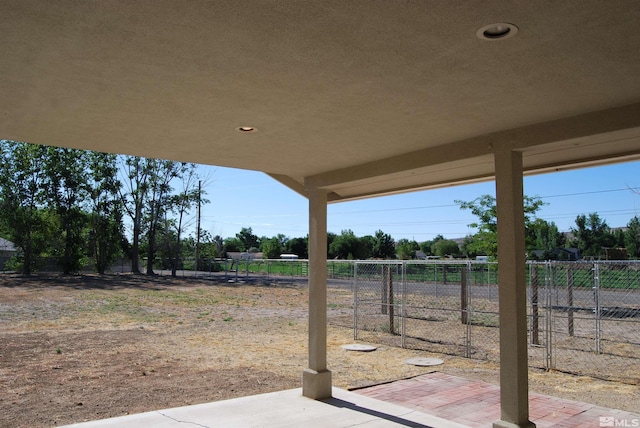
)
(282, 409)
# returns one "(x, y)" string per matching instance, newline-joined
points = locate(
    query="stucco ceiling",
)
(359, 97)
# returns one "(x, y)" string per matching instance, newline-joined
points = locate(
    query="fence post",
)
(535, 317)
(464, 302)
(383, 292)
(465, 274)
(355, 301)
(596, 297)
(549, 318)
(570, 300)
(403, 303)
(392, 328)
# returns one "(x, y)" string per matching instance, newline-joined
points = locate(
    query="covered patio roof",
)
(359, 98)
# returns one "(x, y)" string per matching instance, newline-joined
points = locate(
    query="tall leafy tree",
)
(106, 228)
(217, 245)
(485, 241)
(592, 235)
(632, 238)
(384, 246)
(446, 247)
(146, 195)
(232, 245)
(248, 240)
(23, 195)
(367, 243)
(159, 198)
(406, 249)
(545, 236)
(298, 246)
(176, 210)
(345, 246)
(68, 189)
(271, 247)
(133, 196)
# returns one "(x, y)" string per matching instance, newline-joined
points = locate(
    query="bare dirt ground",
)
(77, 348)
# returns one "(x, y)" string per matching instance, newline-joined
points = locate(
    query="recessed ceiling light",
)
(246, 129)
(499, 31)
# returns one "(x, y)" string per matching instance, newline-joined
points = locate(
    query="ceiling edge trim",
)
(599, 122)
(528, 170)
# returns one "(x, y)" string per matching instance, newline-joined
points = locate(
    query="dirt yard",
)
(80, 348)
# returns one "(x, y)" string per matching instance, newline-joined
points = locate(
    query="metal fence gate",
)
(583, 317)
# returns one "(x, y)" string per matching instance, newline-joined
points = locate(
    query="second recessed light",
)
(498, 31)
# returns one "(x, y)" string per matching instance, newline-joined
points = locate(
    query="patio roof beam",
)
(523, 138)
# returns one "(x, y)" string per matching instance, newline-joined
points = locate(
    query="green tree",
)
(248, 240)
(632, 238)
(68, 174)
(159, 199)
(298, 246)
(106, 229)
(346, 246)
(433, 242)
(136, 183)
(406, 249)
(544, 236)
(330, 238)
(446, 247)
(22, 200)
(468, 249)
(485, 241)
(175, 211)
(425, 247)
(272, 247)
(384, 246)
(217, 244)
(591, 235)
(232, 245)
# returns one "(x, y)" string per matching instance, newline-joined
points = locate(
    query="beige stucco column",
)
(316, 379)
(514, 384)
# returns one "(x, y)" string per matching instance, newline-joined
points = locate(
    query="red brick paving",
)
(477, 404)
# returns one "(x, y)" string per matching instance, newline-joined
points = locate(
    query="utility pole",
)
(198, 227)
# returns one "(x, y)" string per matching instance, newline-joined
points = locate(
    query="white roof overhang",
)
(360, 98)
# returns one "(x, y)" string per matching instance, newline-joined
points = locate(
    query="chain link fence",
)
(583, 317)
(590, 315)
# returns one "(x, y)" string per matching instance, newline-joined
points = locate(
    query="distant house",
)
(7, 248)
(420, 255)
(570, 254)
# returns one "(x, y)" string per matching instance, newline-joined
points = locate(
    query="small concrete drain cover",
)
(424, 361)
(359, 347)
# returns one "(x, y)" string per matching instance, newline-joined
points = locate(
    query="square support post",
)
(514, 371)
(316, 379)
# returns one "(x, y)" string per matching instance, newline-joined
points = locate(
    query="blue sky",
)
(242, 198)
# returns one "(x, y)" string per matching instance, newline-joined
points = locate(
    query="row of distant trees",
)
(70, 205)
(591, 236)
